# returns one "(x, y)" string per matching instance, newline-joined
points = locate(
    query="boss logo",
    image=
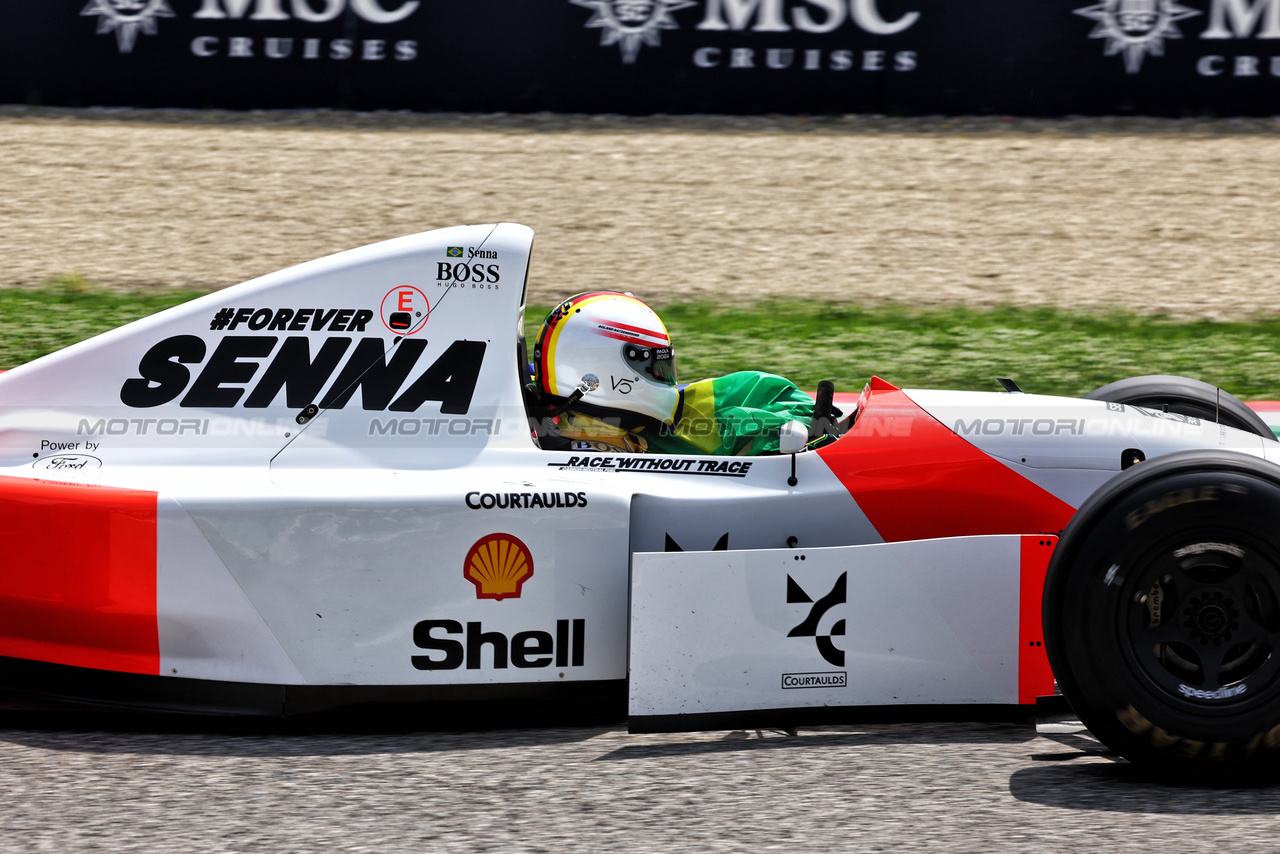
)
(463, 272)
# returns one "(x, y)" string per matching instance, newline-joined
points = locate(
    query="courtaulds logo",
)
(1136, 27)
(126, 17)
(839, 595)
(632, 23)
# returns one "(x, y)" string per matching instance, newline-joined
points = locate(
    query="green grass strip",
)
(36, 321)
(1048, 351)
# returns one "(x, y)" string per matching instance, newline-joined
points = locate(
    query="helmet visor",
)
(654, 363)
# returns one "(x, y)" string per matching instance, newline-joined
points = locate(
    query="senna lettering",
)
(225, 377)
(523, 649)
(292, 319)
(524, 500)
(664, 465)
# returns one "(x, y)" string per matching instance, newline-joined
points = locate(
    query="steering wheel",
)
(824, 412)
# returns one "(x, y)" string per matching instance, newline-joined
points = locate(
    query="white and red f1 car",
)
(321, 487)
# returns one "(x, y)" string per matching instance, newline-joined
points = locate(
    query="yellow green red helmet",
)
(621, 341)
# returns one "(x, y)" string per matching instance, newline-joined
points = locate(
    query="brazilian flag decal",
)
(454, 252)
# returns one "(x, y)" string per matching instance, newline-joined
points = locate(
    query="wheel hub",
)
(1210, 618)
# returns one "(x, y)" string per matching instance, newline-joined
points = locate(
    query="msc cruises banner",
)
(1024, 57)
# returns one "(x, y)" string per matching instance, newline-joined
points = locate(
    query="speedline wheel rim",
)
(1199, 621)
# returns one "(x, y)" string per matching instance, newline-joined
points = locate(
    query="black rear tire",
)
(1184, 396)
(1162, 614)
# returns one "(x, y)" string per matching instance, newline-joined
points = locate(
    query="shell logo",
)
(498, 565)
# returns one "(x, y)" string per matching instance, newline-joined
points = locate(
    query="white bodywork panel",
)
(760, 511)
(344, 570)
(208, 628)
(328, 575)
(1069, 446)
(933, 621)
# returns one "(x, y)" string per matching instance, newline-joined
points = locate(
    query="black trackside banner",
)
(1016, 57)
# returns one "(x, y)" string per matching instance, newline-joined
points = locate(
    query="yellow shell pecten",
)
(498, 565)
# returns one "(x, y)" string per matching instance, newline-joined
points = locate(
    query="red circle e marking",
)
(405, 310)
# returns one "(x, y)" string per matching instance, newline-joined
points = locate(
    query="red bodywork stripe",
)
(916, 479)
(78, 577)
(1035, 678)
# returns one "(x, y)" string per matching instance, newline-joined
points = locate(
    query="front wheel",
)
(1162, 613)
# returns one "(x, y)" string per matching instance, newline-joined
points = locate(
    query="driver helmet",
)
(621, 341)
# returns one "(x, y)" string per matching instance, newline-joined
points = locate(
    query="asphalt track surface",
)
(977, 787)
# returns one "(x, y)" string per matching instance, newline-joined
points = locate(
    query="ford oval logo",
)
(68, 463)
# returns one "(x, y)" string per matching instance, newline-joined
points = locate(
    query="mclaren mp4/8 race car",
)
(327, 487)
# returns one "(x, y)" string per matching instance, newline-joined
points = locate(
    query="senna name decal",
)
(251, 371)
